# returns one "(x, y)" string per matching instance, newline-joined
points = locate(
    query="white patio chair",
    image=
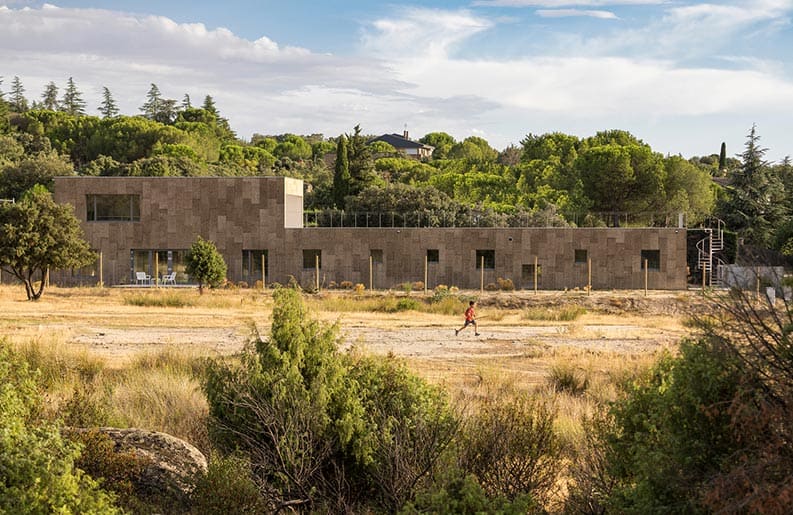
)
(169, 278)
(142, 278)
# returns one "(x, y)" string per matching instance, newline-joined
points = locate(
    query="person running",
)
(470, 319)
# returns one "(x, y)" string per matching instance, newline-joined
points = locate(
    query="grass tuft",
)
(160, 300)
(561, 314)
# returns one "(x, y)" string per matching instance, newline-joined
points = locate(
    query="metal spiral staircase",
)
(707, 248)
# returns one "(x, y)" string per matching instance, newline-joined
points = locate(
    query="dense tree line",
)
(611, 171)
(553, 178)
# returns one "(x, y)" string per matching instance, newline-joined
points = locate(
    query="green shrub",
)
(37, 465)
(227, 488)
(465, 495)
(330, 419)
(118, 471)
(408, 304)
(672, 431)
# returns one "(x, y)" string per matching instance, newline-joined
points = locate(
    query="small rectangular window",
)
(377, 256)
(433, 256)
(580, 256)
(252, 261)
(653, 258)
(112, 208)
(489, 257)
(527, 272)
(311, 257)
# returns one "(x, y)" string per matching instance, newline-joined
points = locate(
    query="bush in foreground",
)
(326, 431)
(37, 465)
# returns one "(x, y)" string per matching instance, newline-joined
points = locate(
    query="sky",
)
(683, 76)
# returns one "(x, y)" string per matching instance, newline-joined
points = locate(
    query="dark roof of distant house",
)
(398, 141)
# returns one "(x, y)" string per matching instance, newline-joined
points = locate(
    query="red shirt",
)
(469, 313)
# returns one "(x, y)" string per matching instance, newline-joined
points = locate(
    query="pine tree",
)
(152, 104)
(224, 131)
(209, 106)
(49, 99)
(186, 102)
(754, 206)
(341, 174)
(108, 109)
(17, 100)
(72, 102)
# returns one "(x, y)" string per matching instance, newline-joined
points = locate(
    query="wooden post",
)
(47, 278)
(482, 276)
(588, 285)
(646, 271)
(426, 272)
(316, 267)
(704, 278)
(371, 275)
(264, 275)
(536, 260)
(156, 269)
(757, 291)
(101, 270)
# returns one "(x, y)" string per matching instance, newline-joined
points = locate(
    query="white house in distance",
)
(402, 142)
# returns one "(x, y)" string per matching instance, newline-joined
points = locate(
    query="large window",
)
(580, 256)
(489, 257)
(433, 256)
(377, 256)
(311, 257)
(159, 263)
(112, 208)
(252, 261)
(653, 258)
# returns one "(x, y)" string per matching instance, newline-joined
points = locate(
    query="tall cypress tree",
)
(108, 108)
(723, 158)
(72, 102)
(49, 99)
(341, 173)
(361, 162)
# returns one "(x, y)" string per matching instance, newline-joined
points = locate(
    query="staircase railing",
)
(707, 261)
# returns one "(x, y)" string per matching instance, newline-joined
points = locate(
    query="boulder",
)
(171, 464)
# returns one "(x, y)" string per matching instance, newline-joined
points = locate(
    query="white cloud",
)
(422, 31)
(411, 70)
(567, 13)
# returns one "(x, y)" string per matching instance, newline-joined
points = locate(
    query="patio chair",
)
(169, 278)
(142, 278)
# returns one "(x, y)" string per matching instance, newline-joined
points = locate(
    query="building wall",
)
(615, 255)
(234, 212)
(265, 213)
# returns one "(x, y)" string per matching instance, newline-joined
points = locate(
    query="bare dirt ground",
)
(621, 324)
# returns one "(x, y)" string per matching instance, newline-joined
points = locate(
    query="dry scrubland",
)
(131, 356)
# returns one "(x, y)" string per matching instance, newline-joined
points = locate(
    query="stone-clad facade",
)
(250, 218)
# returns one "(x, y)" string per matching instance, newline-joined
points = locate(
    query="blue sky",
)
(681, 75)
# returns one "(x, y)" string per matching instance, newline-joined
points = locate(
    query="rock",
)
(171, 464)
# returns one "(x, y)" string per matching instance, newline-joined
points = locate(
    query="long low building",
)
(146, 224)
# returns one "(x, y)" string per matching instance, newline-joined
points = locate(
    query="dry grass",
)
(159, 390)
